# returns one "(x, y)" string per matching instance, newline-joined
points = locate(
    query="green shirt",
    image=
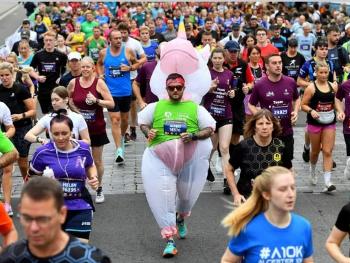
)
(173, 118)
(5, 144)
(88, 28)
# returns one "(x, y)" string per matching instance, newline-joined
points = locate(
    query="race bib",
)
(94, 53)
(72, 188)
(48, 67)
(174, 127)
(115, 72)
(280, 111)
(88, 115)
(217, 111)
(292, 73)
(305, 47)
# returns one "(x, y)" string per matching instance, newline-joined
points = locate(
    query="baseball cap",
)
(235, 26)
(347, 26)
(232, 46)
(254, 17)
(292, 42)
(25, 34)
(74, 55)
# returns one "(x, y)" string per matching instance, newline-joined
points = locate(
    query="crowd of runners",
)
(70, 62)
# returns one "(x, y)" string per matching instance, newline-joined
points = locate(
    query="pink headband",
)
(179, 81)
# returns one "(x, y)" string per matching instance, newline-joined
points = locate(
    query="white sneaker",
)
(347, 170)
(330, 188)
(313, 176)
(218, 165)
(100, 198)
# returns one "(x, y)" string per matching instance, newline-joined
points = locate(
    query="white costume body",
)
(174, 173)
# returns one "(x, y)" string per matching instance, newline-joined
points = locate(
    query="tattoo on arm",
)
(145, 129)
(204, 133)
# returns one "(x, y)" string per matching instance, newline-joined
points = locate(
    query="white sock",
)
(313, 167)
(327, 177)
(307, 146)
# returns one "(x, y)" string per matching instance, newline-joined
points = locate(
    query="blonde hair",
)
(88, 59)
(14, 56)
(256, 203)
(321, 64)
(6, 65)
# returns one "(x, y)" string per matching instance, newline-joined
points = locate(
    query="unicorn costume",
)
(174, 172)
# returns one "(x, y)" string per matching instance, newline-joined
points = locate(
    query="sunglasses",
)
(178, 88)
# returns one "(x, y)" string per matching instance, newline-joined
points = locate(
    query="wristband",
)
(194, 137)
(23, 115)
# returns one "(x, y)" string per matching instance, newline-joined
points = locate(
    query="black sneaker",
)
(127, 138)
(133, 135)
(227, 190)
(210, 176)
(306, 155)
(334, 164)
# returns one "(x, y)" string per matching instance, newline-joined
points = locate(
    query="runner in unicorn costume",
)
(176, 161)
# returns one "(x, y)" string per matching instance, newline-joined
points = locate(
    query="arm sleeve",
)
(6, 114)
(239, 244)
(236, 154)
(205, 120)
(304, 70)
(254, 98)
(342, 222)
(38, 161)
(145, 116)
(5, 221)
(340, 93)
(5, 144)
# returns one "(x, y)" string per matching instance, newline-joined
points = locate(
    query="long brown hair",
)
(249, 127)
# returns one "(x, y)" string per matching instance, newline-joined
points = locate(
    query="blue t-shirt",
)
(69, 168)
(262, 242)
(305, 44)
(150, 50)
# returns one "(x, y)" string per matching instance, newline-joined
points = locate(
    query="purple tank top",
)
(93, 114)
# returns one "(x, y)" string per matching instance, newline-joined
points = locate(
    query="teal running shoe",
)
(181, 228)
(119, 156)
(170, 249)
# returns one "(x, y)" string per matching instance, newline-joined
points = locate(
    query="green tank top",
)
(95, 46)
(171, 119)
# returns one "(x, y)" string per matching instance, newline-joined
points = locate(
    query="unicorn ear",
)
(181, 33)
(205, 53)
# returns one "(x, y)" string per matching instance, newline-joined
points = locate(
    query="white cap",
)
(347, 26)
(74, 55)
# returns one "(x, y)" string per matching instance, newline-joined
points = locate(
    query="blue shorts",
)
(78, 223)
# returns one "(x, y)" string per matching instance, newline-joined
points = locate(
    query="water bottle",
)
(48, 172)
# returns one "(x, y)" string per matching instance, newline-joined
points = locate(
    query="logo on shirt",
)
(281, 254)
(270, 94)
(292, 62)
(167, 115)
(286, 92)
(277, 157)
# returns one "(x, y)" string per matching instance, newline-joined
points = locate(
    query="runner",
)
(75, 40)
(94, 44)
(319, 103)
(265, 223)
(90, 95)
(175, 163)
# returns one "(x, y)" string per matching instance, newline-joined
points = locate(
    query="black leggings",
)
(347, 143)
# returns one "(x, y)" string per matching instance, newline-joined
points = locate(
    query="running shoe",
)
(210, 176)
(347, 169)
(227, 190)
(313, 176)
(133, 135)
(330, 188)
(181, 228)
(170, 249)
(127, 138)
(119, 156)
(100, 198)
(8, 209)
(218, 164)
(334, 164)
(306, 155)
